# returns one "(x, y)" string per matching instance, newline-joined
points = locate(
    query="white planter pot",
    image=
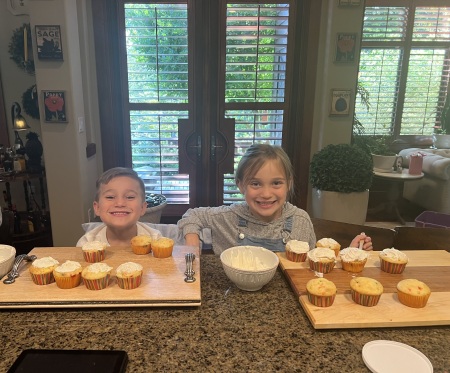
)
(385, 163)
(343, 207)
(153, 214)
(441, 141)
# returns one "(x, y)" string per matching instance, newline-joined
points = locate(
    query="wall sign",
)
(340, 102)
(48, 41)
(55, 106)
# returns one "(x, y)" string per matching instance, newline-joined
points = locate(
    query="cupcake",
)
(329, 243)
(366, 291)
(129, 275)
(413, 293)
(68, 274)
(41, 270)
(296, 250)
(96, 276)
(321, 259)
(393, 261)
(141, 244)
(353, 259)
(321, 292)
(162, 247)
(94, 251)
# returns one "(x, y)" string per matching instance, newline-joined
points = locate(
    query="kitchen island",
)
(232, 331)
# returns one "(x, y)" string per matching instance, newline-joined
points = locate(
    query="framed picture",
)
(48, 41)
(340, 102)
(349, 2)
(55, 106)
(345, 47)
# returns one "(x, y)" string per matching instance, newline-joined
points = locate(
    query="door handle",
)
(214, 146)
(198, 146)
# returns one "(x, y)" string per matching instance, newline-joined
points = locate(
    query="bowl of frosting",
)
(249, 267)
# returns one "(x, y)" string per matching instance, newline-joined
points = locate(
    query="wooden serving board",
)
(429, 266)
(162, 284)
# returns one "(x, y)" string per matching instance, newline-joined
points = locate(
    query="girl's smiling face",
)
(267, 191)
(120, 203)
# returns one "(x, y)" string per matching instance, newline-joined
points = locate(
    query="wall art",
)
(48, 41)
(340, 102)
(55, 106)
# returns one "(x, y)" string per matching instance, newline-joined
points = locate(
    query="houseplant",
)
(155, 205)
(341, 176)
(441, 137)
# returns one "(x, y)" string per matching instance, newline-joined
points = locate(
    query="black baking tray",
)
(70, 361)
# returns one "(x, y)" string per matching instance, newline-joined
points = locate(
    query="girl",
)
(265, 177)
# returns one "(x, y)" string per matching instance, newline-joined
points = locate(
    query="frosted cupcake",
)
(96, 276)
(129, 275)
(413, 293)
(68, 274)
(366, 291)
(329, 243)
(162, 247)
(393, 261)
(321, 292)
(296, 250)
(353, 259)
(41, 270)
(321, 259)
(141, 244)
(94, 251)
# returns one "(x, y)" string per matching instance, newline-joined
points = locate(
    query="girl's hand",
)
(362, 241)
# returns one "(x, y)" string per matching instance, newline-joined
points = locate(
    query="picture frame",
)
(48, 42)
(345, 47)
(349, 3)
(55, 106)
(340, 102)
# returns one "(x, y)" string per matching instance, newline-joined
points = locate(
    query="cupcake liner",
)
(295, 257)
(97, 284)
(129, 283)
(43, 278)
(414, 301)
(320, 300)
(161, 253)
(142, 250)
(321, 266)
(68, 282)
(394, 268)
(354, 267)
(94, 256)
(364, 299)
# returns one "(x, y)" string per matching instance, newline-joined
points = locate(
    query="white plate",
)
(394, 357)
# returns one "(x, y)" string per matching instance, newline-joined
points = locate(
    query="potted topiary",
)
(155, 205)
(341, 176)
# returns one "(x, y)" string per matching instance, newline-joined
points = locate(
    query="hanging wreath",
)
(30, 102)
(23, 58)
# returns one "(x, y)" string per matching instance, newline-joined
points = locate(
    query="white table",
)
(395, 192)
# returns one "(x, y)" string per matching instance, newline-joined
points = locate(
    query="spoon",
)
(14, 273)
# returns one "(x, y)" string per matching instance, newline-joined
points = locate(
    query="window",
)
(404, 66)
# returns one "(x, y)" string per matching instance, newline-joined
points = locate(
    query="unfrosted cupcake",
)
(129, 275)
(321, 259)
(96, 276)
(41, 270)
(68, 274)
(329, 243)
(296, 250)
(321, 292)
(413, 293)
(353, 259)
(162, 247)
(366, 291)
(141, 244)
(94, 251)
(393, 261)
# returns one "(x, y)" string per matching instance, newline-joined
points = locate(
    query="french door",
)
(198, 82)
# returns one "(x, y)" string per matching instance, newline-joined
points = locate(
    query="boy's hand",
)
(362, 241)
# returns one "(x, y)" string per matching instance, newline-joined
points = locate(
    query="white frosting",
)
(93, 245)
(243, 259)
(394, 254)
(321, 253)
(353, 254)
(328, 242)
(68, 266)
(98, 268)
(128, 267)
(298, 247)
(45, 262)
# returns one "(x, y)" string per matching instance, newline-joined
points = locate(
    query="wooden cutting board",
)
(429, 266)
(162, 284)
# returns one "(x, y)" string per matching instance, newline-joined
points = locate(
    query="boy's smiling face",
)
(120, 203)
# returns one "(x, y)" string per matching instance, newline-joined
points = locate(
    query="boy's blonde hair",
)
(255, 157)
(114, 172)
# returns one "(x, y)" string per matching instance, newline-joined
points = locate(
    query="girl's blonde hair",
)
(255, 157)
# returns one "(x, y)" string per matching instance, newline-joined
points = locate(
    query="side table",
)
(395, 192)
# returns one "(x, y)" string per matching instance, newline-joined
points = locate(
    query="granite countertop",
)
(231, 331)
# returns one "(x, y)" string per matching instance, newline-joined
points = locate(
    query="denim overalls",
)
(272, 244)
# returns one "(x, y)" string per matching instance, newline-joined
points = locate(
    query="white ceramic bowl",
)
(7, 256)
(249, 267)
